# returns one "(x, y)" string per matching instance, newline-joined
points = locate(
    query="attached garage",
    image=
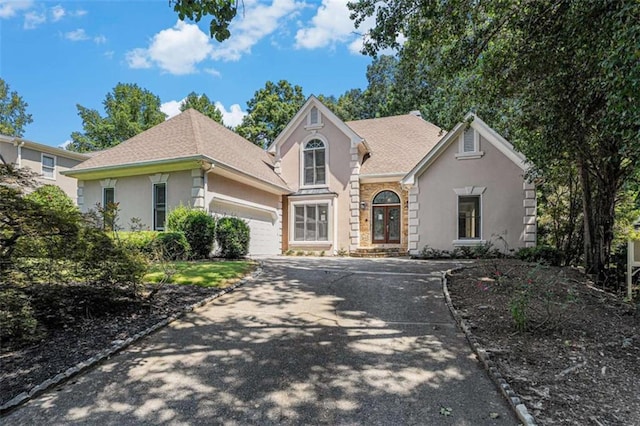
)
(263, 222)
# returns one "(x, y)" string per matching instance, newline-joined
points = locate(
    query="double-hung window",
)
(48, 166)
(159, 205)
(469, 218)
(314, 163)
(108, 200)
(311, 222)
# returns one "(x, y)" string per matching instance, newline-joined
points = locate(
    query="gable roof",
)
(483, 128)
(61, 152)
(397, 143)
(301, 114)
(186, 136)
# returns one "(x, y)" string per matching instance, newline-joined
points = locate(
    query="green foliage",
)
(202, 274)
(130, 110)
(546, 255)
(202, 104)
(53, 198)
(200, 231)
(222, 13)
(269, 111)
(13, 112)
(17, 320)
(177, 217)
(172, 246)
(232, 235)
(518, 306)
(141, 241)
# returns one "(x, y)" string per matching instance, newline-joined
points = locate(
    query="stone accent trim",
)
(80, 195)
(354, 196)
(197, 189)
(367, 192)
(414, 220)
(529, 202)
(281, 225)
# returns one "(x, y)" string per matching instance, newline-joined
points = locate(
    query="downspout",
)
(19, 145)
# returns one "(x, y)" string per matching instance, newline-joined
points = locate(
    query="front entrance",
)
(386, 218)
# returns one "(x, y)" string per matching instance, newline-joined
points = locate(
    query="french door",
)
(386, 224)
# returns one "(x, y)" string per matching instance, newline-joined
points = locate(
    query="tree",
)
(203, 104)
(269, 111)
(221, 11)
(130, 110)
(13, 115)
(560, 78)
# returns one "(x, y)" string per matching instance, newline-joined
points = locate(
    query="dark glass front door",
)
(386, 224)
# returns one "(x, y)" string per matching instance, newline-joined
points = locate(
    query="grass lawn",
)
(203, 274)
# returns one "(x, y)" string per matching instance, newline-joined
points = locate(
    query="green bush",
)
(200, 231)
(142, 241)
(17, 319)
(177, 218)
(547, 255)
(232, 235)
(172, 246)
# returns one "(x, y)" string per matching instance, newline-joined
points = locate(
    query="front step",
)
(379, 252)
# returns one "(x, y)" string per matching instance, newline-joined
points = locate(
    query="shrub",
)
(176, 218)
(172, 246)
(142, 241)
(17, 319)
(232, 235)
(200, 231)
(547, 255)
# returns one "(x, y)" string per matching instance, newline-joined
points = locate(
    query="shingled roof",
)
(188, 135)
(397, 143)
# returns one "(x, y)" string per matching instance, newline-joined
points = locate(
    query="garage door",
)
(264, 227)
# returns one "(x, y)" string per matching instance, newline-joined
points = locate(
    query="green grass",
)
(203, 274)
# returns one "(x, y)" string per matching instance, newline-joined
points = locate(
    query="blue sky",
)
(57, 54)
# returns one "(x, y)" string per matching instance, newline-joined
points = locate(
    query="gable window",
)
(314, 119)
(314, 163)
(469, 145)
(469, 218)
(49, 166)
(311, 222)
(159, 205)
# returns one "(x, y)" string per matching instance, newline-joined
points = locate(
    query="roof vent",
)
(416, 113)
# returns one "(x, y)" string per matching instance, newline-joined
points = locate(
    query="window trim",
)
(469, 191)
(53, 168)
(330, 203)
(154, 205)
(314, 126)
(469, 155)
(303, 144)
(104, 191)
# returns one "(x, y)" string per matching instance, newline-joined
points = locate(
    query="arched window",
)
(386, 197)
(314, 163)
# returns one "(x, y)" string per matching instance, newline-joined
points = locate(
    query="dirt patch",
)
(571, 351)
(77, 322)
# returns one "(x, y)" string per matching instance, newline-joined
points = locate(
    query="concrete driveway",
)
(313, 341)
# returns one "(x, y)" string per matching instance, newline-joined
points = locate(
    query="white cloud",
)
(100, 39)
(231, 117)
(171, 108)
(109, 54)
(65, 144)
(78, 13)
(331, 24)
(214, 72)
(57, 13)
(10, 8)
(33, 19)
(176, 50)
(77, 35)
(234, 116)
(258, 21)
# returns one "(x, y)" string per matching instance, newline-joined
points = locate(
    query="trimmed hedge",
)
(232, 235)
(172, 246)
(139, 240)
(198, 227)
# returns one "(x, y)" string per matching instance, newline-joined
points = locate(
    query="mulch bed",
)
(570, 350)
(80, 322)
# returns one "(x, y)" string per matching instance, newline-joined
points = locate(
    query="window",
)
(159, 205)
(108, 196)
(314, 163)
(469, 217)
(311, 222)
(386, 197)
(314, 116)
(469, 145)
(468, 141)
(48, 166)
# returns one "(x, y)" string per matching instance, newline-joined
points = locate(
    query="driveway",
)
(333, 341)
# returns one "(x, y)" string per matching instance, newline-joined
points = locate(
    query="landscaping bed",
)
(76, 322)
(570, 350)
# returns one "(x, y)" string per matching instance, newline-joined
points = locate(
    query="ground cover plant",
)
(570, 349)
(202, 274)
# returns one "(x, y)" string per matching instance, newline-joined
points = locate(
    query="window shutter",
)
(313, 116)
(468, 142)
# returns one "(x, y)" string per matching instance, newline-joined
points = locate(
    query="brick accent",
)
(367, 192)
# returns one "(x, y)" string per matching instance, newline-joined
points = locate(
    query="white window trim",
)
(471, 155)
(314, 126)
(330, 222)
(55, 165)
(153, 205)
(469, 191)
(326, 161)
(104, 190)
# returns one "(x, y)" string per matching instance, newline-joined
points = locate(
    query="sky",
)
(57, 54)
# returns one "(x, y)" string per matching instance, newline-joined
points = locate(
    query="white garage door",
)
(264, 228)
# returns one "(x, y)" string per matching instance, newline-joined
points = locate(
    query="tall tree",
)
(559, 77)
(203, 104)
(129, 109)
(13, 112)
(222, 13)
(269, 111)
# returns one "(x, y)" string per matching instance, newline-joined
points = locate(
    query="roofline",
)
(381, 177)
(235, 170)
(474, 121)
(25, 143)
(355, 138)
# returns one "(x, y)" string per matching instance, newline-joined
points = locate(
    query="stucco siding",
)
(9, 153)
(502, 208)
(222, 185)
(32, 159)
